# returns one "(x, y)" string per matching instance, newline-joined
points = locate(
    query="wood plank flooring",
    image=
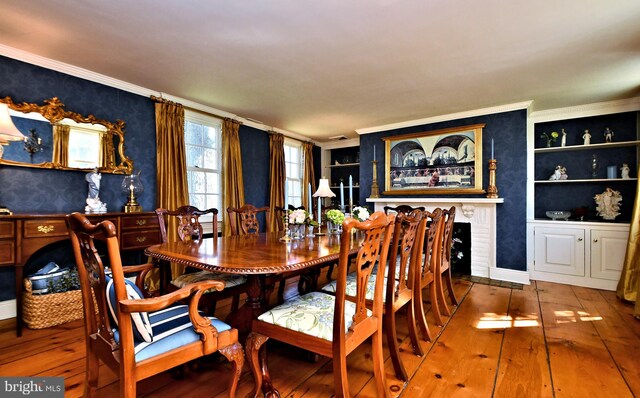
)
(547, 340)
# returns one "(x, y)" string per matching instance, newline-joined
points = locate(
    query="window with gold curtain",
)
(308, 174)
(232, 182)
(171, 173)
(61, 144)
(277, 178)
(629, 284)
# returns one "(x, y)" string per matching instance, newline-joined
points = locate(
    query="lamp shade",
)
(8, 130)
(323, 190)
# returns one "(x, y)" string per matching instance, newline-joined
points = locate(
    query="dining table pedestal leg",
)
(253, 306)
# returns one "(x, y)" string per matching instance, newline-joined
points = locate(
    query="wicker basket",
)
(46, 310)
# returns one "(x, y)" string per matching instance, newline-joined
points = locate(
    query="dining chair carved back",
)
(244, 220)
(405, 256)
(429, 268)
(190, 228)
(328, 325)
(444, 276)
(130, 334)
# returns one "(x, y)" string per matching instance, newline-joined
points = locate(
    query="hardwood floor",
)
(547, 340)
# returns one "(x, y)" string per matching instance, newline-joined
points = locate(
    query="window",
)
(293, 164)
(202, 141)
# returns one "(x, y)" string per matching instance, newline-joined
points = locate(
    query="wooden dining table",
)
(256, 256)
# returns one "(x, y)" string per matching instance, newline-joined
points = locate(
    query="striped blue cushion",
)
(172, 328)
(142, 330)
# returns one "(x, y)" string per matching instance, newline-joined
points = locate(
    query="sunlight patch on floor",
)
(575, 316)
(503, 321)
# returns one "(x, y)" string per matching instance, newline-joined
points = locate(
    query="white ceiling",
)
(325, 68)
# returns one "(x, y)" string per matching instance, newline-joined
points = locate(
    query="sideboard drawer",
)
(7, 229)
(141, 221)
(7, 253)
(45, 228)
(139, 239)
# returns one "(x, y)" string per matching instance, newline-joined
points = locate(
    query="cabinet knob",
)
(595, 241)
(579, 239)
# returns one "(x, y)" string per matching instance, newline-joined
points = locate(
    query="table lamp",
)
(323, 192)
(8, 131)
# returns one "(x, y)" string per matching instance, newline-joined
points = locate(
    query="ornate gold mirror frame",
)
(53, 110)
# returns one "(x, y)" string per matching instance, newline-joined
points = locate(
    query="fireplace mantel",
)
(479, 212)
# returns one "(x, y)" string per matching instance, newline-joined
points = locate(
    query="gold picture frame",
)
(445, 161)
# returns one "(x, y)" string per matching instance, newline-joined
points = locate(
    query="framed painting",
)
(446, 161)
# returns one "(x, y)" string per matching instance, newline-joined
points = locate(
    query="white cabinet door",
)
(559, 250)
(607, 253)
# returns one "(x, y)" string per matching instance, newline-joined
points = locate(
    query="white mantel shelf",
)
(435, 200)
(481, 213)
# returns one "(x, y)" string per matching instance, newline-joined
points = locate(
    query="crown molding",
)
(86, 74)
(444, 118)
(586, 110)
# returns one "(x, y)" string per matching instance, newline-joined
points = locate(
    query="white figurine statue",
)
(563, 141)
(94, 205)
(625, 171)
(608, 204)
(557, 173)
(586, 137)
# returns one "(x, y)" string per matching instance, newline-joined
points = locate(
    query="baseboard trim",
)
(7, 309)
(509, 275)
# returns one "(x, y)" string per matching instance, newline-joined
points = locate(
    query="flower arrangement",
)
(551, 138)
(298, 216)
(360, 213)
(335, 216)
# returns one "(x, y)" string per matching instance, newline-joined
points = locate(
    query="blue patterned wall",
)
(25, 190)
(509, 131)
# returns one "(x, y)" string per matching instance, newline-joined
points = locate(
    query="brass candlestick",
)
(374, 182)
(492, 190)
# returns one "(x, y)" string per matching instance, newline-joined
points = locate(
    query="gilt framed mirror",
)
(57, 138)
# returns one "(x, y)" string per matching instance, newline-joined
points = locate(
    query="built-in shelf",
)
(344, 165)
(590, 146)
(585, 180)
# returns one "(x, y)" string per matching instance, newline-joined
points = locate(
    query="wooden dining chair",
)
(332, 326)
(244, 220)
(428, 270)
(405, 258)
(190, 228)
(139, 337)
(444, 276)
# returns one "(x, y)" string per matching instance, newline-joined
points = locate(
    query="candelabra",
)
(492, 190)
(374, 183)
(287, 233)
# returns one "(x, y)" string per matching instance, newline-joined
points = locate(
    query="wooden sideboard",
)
(22, 235)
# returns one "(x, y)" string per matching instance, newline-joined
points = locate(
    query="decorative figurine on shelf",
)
(586, 137)
(625, 171)
(608, 204)
(557, 173)
(94, 205)
(563, 173)
(563, 140)
(608, 135)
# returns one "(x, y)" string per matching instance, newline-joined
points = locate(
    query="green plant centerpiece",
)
(334, 218)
